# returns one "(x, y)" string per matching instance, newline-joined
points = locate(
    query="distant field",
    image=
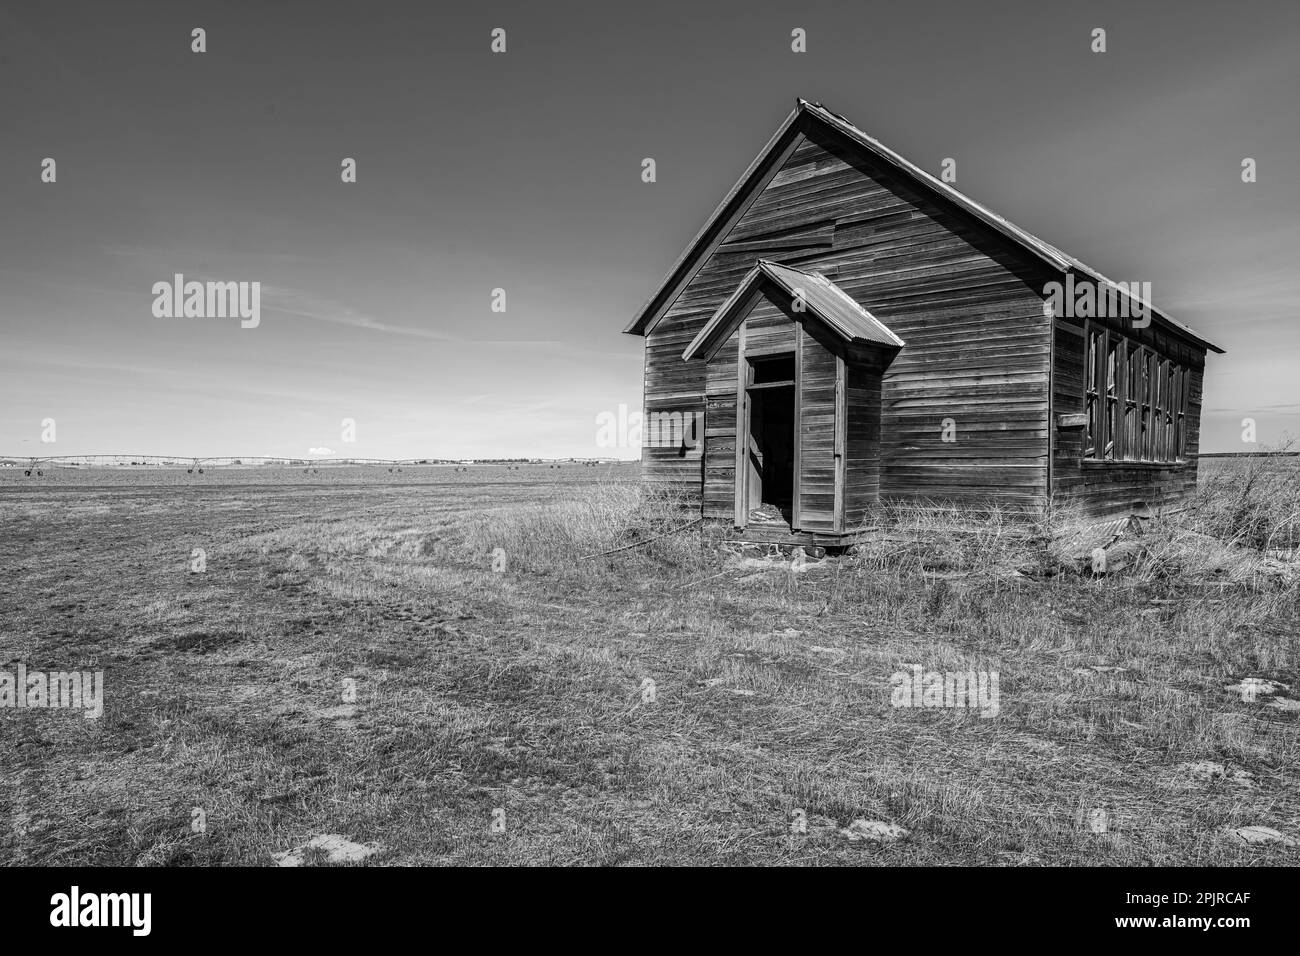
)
(325, 475)
(349, 662)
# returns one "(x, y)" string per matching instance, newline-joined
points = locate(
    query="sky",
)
(521, 171)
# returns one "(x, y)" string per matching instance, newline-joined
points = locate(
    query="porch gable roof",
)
(822, 299)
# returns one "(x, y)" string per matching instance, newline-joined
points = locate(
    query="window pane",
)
(1111, 421)
(1165, 420)
(1090, 363)
(1133, 378)
(1178, 413)
(1144, 396)
(1095, 360)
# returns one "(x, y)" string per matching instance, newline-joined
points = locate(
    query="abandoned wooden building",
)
(847, 329)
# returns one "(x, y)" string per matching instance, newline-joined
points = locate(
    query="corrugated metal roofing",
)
(822, 299)
(1048, 253)
(831, 304)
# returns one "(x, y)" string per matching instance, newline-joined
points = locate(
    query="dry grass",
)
(525, 690)
(569, 537)
(1253, 502)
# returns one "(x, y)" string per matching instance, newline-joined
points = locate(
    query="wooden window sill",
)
(1113, 463)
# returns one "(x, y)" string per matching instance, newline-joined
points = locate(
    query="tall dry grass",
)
(938, 537)
(1241, 510)
(1252, 502)
(571, 537)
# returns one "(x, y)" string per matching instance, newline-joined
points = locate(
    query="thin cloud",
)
(307, 305)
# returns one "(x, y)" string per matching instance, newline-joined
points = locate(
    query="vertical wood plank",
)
(798, 418)
(840, 421)
(1051, 403)
(1121, 396)
(742, 431)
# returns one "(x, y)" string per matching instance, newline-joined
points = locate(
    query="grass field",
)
(349, 662)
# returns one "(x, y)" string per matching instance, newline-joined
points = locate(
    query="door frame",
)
(744, 411)
(739, 482)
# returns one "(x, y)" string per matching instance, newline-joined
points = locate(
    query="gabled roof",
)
(821, 297)
(768, 162)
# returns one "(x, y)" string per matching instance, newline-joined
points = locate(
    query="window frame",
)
(1135, 401)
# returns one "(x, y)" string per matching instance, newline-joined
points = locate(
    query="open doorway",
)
(770, 473)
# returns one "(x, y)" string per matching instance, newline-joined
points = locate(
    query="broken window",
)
(1134, 401)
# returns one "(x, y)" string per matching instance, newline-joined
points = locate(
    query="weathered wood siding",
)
(720, 431)
(660, 457)
(769, 328)
(968, 304)
(817, 438)
(862, 442)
